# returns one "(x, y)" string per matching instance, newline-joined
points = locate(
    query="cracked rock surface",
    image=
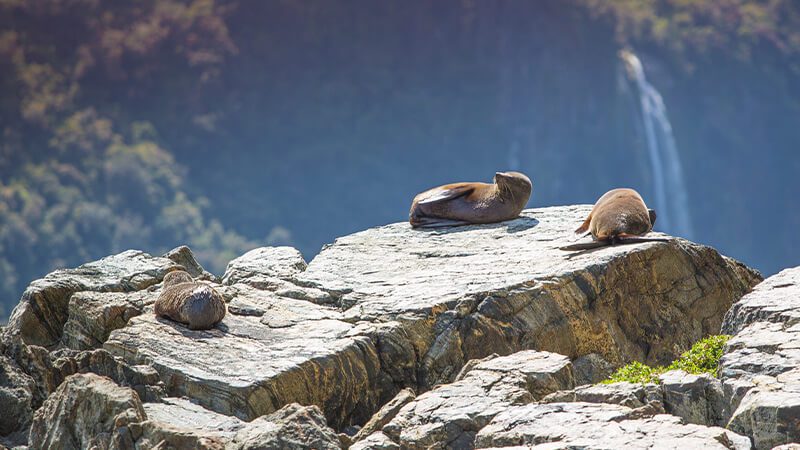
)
(599, 426)
(374, 313)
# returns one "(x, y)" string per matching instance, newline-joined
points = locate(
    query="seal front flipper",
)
(442, 194)
(585, 246)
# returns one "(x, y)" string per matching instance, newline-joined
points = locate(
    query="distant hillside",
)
(233, 124)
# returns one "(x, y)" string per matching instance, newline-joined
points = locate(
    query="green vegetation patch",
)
(703, 357)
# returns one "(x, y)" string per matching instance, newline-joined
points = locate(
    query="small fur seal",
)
(467, 203)
(194, 304)
(620, 216)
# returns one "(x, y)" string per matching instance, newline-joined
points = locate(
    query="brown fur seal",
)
(466, 203)
(618, 217)
(197, 305)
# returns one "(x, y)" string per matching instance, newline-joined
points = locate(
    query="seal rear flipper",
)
(586, 246)
(433, 222)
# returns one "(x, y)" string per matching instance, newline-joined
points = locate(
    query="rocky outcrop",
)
(451, 414)
(376, 312)
(759, 369)
(41, 313)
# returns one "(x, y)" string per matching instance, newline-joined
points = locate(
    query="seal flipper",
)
(585, 225)
(445, 194)
(586, 246)
(435, 222)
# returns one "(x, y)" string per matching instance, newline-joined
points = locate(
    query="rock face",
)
(376, 312)
(760, 369)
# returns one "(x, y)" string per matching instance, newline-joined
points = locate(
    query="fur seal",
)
(620, 216)
(468, 203)
(195, 304)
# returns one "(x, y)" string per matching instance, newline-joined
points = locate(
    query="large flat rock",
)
(277, 351)
(505, 287)
(392, 307)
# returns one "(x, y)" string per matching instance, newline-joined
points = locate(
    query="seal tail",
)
(585, 246)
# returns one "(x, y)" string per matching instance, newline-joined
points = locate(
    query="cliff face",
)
(376, 313)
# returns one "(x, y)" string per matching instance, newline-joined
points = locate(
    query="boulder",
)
(631, 395)
(41, 313)
(183, 255)
(646, 302)
(86, 411)
(694, 398)
(292, 427)
(451, 414)
(759, 366)
(251, 365)
(16, 397)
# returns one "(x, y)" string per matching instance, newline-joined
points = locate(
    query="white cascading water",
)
(671, 199)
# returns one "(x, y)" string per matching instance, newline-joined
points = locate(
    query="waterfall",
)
(671, 199)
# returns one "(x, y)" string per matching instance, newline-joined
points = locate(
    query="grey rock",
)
(281, 263)
(250, 365)
(758, 369)
(591, 368)
(375, 441)
(694, 398)
(16, 397)
(599, 426)
(770, 412)
(385, 414)
(292, 427)
(274, 269)
(631, 395)
(41, 313)
(86, 411)
(449, 415)
(92, 316)
(183, 255)
(776, 299)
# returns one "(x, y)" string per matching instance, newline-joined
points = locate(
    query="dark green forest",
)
(227, 125)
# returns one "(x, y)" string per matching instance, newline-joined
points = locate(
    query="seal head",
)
(194, 304)
(471, 202)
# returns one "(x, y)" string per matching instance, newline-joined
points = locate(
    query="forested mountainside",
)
(227, 125)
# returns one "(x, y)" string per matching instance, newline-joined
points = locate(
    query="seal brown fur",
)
(620, 216)
(468, 203)
(194, 304)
